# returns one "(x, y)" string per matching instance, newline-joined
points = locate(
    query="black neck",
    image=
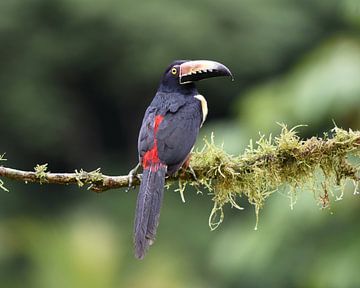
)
(188, 88)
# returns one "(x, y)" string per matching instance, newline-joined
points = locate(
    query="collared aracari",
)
(167, 135)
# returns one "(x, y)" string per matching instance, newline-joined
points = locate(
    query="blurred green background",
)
(75, 79)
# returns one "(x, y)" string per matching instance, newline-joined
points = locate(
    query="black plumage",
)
(169, 129)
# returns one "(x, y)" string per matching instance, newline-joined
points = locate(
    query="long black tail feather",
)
(148, 208)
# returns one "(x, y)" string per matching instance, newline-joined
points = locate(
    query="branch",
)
(97, 181)
(285, 161)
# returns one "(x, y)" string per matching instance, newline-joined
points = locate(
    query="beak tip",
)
(231, 75)
(227, 71)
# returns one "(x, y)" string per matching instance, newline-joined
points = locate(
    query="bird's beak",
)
(201, 69)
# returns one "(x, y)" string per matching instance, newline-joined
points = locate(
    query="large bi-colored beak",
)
(201, 69)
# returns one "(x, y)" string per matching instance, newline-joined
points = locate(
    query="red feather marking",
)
(158, 120)
(151, 157)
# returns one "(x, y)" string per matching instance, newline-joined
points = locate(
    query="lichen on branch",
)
(2, 187)
(270, 164)
(319, 164)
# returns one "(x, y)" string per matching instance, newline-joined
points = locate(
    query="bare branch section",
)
(271, 163)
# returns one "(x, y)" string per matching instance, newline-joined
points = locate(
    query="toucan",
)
(168, 132)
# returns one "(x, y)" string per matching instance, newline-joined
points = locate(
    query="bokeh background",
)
(75, 79)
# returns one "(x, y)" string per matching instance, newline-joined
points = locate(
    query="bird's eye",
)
(173, 71)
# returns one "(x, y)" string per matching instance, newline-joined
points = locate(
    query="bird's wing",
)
(146, 135)
(177, 133)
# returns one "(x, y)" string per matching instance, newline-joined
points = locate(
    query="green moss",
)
(83, 177)
(2, 157)
(2, 187)
(272, 163)
(40, 171)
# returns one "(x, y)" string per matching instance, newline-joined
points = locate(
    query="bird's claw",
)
(132, 176)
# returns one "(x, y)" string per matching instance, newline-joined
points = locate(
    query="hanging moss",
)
(270, 164)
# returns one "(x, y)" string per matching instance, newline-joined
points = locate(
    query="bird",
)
(167, 135)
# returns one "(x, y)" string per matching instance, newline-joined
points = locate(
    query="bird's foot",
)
(133, 174)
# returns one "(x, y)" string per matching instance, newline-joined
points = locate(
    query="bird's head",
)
(183, 73)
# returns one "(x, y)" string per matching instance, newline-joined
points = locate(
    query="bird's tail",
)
(148, 207)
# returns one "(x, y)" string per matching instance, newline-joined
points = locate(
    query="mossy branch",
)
(320, 164)
(286, 161)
